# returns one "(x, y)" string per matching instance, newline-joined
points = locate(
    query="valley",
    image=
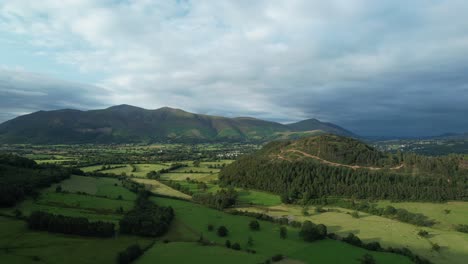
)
(186, 177)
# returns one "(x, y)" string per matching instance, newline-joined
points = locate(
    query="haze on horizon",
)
(380, 68)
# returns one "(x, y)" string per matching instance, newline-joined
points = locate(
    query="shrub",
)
(236, 246)
(222, 231)
(254, 225)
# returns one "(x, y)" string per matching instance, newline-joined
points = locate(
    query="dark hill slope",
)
(125, 124)
(314, 124)
(329, 165)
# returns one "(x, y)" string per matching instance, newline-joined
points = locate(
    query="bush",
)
(277, 257)
(210, 227)
(311, 232)
(353, 240)
(283, 232)
(423, 233)
(129, 254)
(254, 225)
(228, 244)
(236, 246)
(222, 231)
(367, 259)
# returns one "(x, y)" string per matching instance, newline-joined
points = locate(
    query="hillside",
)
(126, 124)
(314, 124)
(329, 165)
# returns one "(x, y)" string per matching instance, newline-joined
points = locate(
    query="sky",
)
(378, 68)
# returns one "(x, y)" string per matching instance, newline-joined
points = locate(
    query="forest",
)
(21, 177)
(420, 178)
(146, 218)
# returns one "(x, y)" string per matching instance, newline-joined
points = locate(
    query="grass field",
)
(71, 204)
(192, 220)
(159, 188)
(178, 176)
(258, 197)
(458, 212)
(195, 253)
(386, 231)
(20, 245)
(109, 187)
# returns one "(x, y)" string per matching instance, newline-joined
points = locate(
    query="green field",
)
(386, 231)
(257, 197)
(20, 245)
(446, 221)
(178, 176)
(192, 220)
(108, 187)
(71, 204)
(186, 252)
(160, 188)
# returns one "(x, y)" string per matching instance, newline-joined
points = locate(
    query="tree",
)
(236, 246)
(196, 163)
(435, 247)
(249, 241)
(254, 225)
(423, 233)
(222, 231)
(283, 232)
(58, 188)
(228, 244)
(311, 232)
(367, 259)
(210, 227)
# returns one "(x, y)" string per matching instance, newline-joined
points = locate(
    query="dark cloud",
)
(375, 67)
(23, 92)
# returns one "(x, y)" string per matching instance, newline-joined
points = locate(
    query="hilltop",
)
(130, 124)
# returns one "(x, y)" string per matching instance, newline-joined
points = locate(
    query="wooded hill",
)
(330, 165)
(127, 124)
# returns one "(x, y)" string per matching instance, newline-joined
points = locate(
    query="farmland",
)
(99, 195)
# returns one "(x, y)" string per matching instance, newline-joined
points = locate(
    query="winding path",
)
(334, 163)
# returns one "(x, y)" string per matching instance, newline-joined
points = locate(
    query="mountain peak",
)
(124, 107)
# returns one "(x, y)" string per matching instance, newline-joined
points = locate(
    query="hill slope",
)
(314, 124)
(125, 123)
(329, 165)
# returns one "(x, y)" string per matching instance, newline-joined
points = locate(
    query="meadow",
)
(20, 245)
(192, 220)
(388, 232)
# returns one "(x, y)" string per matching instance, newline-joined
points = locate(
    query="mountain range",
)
(130, 124)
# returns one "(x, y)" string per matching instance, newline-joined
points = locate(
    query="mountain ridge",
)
(127, 124)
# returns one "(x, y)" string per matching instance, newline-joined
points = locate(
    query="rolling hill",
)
(126, 124)
(330, 165)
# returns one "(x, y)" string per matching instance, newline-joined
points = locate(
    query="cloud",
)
(371, 66)
(22, 92)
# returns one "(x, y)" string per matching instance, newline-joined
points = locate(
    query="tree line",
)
(44, 221)
(222, 199)
(21, 177)
(301, 181)
(146, 218)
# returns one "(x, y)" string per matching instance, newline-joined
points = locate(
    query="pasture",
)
(20, 245)
(192, 220)
(160, 188)
(388, 232)
(457, 212)
(195, 253)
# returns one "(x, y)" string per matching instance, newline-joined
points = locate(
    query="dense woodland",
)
(421, 178)
(69, 225)
(146, 218)
(20, 177)
(220, 200)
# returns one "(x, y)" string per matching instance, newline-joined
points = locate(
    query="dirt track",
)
(334, 163)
